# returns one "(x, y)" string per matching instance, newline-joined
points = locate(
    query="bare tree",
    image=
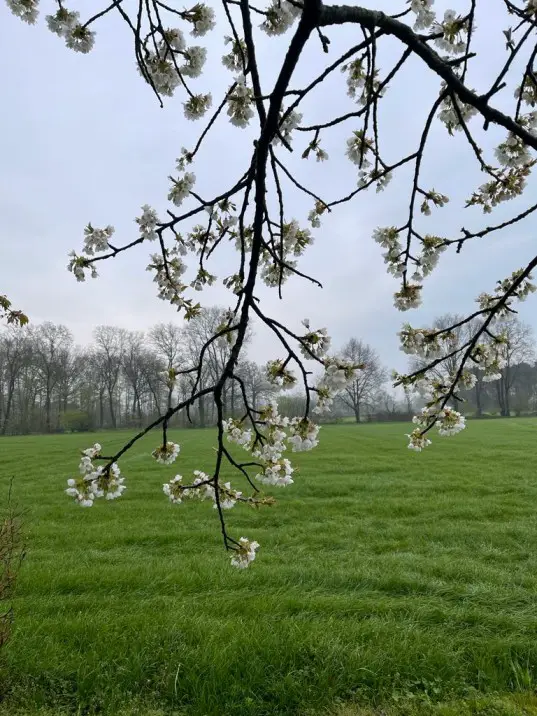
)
(360, 394)
(215, 355)
(14, 347)
(256, 384)
(168, 341)
(51, 343)
(133, 366)
(519, 349)
(110, 344)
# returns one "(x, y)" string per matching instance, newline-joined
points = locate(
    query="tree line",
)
(122, 379)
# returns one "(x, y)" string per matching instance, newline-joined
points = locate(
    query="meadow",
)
(386, 583)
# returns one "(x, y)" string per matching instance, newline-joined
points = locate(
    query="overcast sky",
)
(83, 139)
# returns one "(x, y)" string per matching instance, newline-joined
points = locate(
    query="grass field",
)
(384, 579)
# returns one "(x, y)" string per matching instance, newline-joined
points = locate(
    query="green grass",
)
(384, 579)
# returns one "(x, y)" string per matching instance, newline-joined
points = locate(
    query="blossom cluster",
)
(289, 121)
(314, 216)
(96, 240)
(239, 103)
(454, 31)
(361, 82)
(358, 147)
(506, 185)
(78, 265)
(488, 357)
(279, 17)
(447, 421)
(453, 110)
(278, 374)
(201, 488)
(166, 454)
(166, 60)
(245, 553)
(388, 238)
(147, 223)
(272, 435)
(424, 13)
(338, 374)
(237, 58)
(277, 263)
(314, 343)
(67, 24)
(423, 342)
(168, 273)
(517, 286)
(93, 481)
(434, 197)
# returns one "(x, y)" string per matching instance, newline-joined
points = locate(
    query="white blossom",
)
(303, 434)
(408, 297)
(236, 59)
(166, 454)
(174, 38)
(172, 489)
(63, 22)
(513, 152)
(357, 148)
(181, 188)
(77, 266)
(239, 103)
(95, 482)
(454, 29)
(280, 15)
(237, 433)
(417, 441)
(96, 240)
(450, 422)
(195, 60)
(424, 14)
(197, 105)
(168, 275)
(273, 274)
(277, 474)
(26, 10)
(449, 116)
(82, 497)
(278, 374)
(228, 497)
(316, 343)
(202, 17)
(80, 39)
(287, 126)
(244, 555)
(93, 451)
(148, 223)
(162, 73)
(295, 240)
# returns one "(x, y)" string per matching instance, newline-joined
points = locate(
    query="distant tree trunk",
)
(111, 405)
(201, 411)
(506, 400)
(357, 411)
(48, 412)
(478, 398)
(500, 392)
(9, 404)
(101, 408)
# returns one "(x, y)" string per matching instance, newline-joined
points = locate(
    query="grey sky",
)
(83, 139)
